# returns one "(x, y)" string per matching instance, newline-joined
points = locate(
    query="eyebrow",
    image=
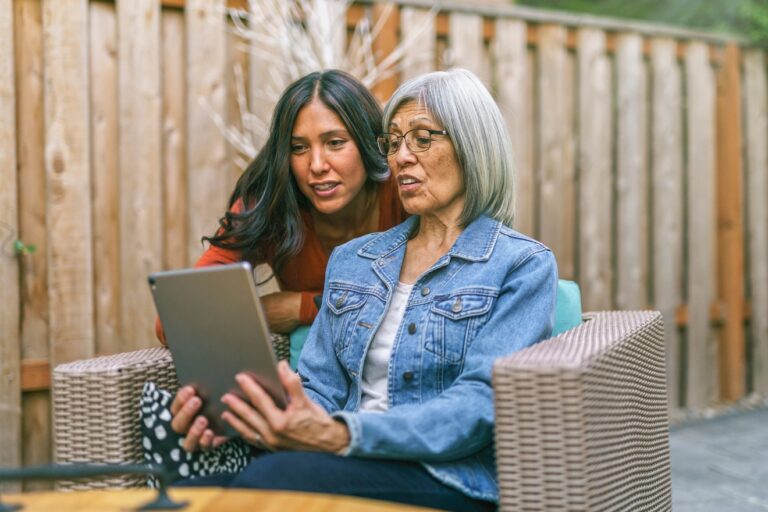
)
(325, 135)
(414, 121)
(420, 119)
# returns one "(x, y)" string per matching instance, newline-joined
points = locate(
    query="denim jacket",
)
(492, 294)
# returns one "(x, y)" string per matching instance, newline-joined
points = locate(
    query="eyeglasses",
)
(416, 140)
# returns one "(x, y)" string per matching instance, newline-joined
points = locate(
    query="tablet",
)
(215, 328)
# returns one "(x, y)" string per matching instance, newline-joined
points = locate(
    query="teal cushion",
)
(567, 316)
(298, 337)
(567, 306)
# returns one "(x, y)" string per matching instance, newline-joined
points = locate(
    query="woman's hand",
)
(185, 409)
(282, 311)
(303, 425)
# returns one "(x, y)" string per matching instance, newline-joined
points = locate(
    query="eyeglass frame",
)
(401, 138)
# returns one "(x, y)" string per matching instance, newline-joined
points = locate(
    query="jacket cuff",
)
(355, 430)
(307, 309)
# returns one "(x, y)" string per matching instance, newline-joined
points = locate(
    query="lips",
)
(324, 187)
(407, 182)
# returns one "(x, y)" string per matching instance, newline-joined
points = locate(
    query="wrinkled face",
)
(325, 160)
(429, 182)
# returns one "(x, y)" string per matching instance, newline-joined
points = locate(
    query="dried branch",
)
(292, 38)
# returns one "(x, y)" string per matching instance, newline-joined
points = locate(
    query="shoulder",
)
(345, 259)
(353, 246)
(345, 255)
(519, 248)
(375, 245)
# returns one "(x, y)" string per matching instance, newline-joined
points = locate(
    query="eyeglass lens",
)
(416, 140)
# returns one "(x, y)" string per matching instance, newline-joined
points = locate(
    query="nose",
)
(318, 164)
(403, 156)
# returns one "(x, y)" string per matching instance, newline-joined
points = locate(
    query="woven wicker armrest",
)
(96, 407)
(582, 420)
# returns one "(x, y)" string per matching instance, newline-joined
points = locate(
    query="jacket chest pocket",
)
(345, 306)
(454, 320)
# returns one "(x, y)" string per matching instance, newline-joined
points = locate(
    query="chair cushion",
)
(567, 306)
(298, 337)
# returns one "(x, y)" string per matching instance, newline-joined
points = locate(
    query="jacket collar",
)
(475, 243)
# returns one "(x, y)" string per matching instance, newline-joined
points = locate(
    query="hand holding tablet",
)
(216, 328)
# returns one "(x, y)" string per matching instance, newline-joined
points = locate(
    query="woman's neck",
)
(357, 218)
(434, 238)
(437, 234)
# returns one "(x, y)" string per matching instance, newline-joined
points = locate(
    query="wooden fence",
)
(641, 159)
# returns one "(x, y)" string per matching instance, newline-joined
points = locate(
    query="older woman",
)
(415, 317)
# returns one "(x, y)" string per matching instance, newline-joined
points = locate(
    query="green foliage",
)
(746, 18)
(755, 26)
(22, 249)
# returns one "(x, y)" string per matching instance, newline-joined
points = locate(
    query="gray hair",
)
(459, 101)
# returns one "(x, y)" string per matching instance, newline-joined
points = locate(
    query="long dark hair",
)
(272, 202)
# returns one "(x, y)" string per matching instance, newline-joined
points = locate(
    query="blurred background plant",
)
(746, 18)
(295, 38)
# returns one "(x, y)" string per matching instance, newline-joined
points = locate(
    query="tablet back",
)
(215, 328)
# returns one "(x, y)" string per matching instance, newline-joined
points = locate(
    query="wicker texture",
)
(582, 421)
(281, 346)
(581, 418)
(96, 408)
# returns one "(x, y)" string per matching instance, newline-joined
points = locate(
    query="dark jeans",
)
(388, 480)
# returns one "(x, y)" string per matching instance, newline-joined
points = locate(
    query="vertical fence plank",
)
(527, 187)
(467, 47)
(512, 75)
(556, 204)
(36, 430)
(106, 190)
(442, 55)
(730, 226)
(756, 133)
(631, 175)
(567, 268)
(667, 201)
(265, 79)
(238, 61)
(10, 392)
(29, 94)
(175, 253)
(594, 168)
(67, 163)
(206, 147)
(418, 32)
(384, 43)
(701, 354)
(140, 164)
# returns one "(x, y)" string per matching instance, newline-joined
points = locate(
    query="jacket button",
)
(411, 328)
(425, 291)
(407, 376)
(339, 302)
(456, 308)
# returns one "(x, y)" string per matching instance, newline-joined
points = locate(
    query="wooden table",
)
(206, 499)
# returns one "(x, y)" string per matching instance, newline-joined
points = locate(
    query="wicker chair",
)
(582, 421)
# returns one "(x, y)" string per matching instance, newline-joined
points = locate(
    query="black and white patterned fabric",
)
(162, 446)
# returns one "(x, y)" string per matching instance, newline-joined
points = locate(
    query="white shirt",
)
(376, 366)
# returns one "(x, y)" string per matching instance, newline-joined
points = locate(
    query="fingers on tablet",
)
(182, 397)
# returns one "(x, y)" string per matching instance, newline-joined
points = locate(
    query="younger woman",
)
(318, 182)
